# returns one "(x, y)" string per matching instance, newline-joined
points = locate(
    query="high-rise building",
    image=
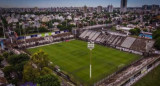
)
(141, 18)
(36, 9)
(99, 9)
(91, 9)
(110, 8)
(85, 9)
(145, 7)
(150, 7)
(157, 12)
(155, 7)
(123, 6)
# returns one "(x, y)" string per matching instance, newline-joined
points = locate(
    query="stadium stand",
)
(108, 37)
(98, 39)
(119, 41)
(142, 45)
(87, 34)
(128, 42)
(95, 36)
(115, 41)
(35, 41)
(83, 34)
(91, 35)
(112, 38)
(102, 39)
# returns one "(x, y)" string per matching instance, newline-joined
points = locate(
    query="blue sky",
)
(77, 3)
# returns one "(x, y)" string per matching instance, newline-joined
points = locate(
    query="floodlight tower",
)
(90, 47)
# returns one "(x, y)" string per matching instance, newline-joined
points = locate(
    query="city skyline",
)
(73, 3)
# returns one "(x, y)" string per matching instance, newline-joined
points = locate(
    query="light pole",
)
(90, 47)
(3, 29)
(20, 28)
(24, 29)
(66, 23)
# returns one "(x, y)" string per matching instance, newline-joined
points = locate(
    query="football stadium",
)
(73, 57)
(79, 42)
(116, 59)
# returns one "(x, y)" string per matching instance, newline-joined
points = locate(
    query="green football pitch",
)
(73, 58)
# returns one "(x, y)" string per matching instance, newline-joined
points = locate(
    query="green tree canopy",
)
(39, 65)
(17, 63)
(16, 59)
(64, 27)
(145, 30)
(48, 80)
(43, 29)
(30, 73)
(1, 58)
(157, 43)
(40, 59)
(156, 34)
(5, 54)
(135, 31)
(7, 70)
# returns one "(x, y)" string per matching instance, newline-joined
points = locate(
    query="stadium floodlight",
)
(90, 47)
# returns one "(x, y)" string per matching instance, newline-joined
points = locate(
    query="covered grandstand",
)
(118, 41)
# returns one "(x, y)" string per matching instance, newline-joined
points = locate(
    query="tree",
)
(145, 30)
(5, 54)
(46, 70)
(15, 69)
(64, 27)
(93, 23)
(113, 28)
(38, 65)
(43, 29)
(125, 25)
(157, 43)
(1, 31)
(50, 25)
(132, 31)
(7, 70)
(4, 22)
(135, 31)
(20, 66)
(1, 58)
(40, 59)
(48, 80)
(16, 59)
(30, 73)
(156, 34)
(108, 21)
(64, 23)
(100, 22)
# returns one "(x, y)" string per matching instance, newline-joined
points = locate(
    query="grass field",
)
(73, 58)
(151, 79)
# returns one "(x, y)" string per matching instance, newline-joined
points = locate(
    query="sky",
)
(74, 3)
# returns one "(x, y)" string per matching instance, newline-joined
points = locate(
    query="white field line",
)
(47, 44)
